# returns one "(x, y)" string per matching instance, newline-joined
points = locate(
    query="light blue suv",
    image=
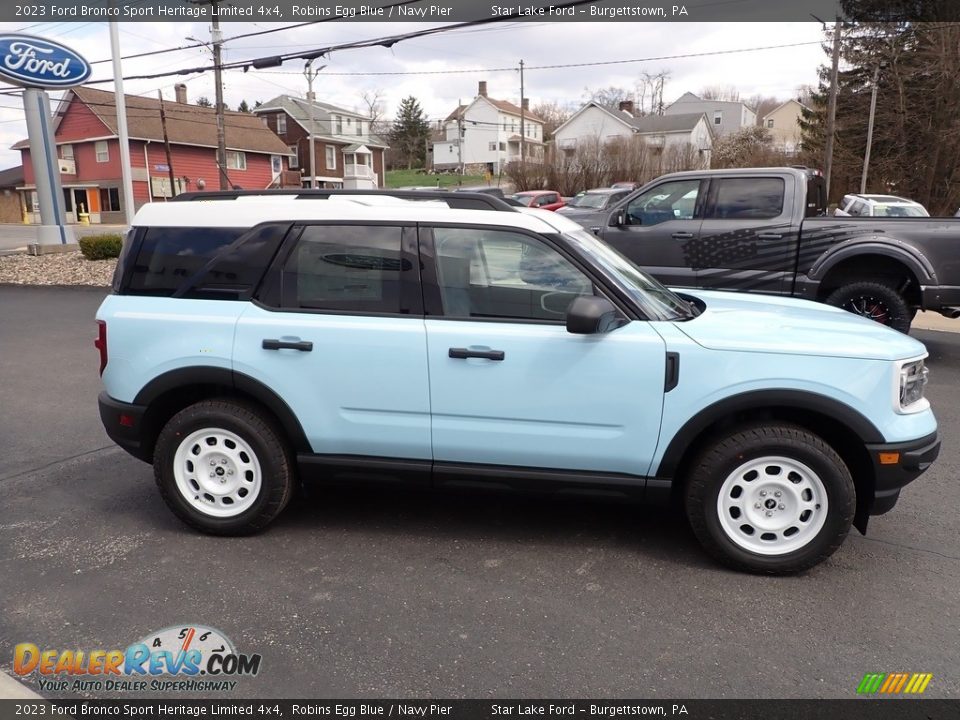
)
(255, 340)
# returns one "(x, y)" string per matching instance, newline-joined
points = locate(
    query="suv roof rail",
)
(455, 200)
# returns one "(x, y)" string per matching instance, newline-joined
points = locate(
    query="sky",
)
(777, 72)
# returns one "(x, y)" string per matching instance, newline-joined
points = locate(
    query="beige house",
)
(783, 123)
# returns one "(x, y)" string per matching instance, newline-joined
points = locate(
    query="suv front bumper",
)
(123, 423)
(912, 460)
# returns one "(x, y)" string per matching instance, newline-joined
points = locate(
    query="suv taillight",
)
(101, 343)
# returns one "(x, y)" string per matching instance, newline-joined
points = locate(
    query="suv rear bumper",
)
(123, 423)
(913, 459)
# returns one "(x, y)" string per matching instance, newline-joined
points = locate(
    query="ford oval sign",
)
(34, 62)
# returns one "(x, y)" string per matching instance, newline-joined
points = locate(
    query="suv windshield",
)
(656, 301)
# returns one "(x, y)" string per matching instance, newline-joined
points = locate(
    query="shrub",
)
(101, 247)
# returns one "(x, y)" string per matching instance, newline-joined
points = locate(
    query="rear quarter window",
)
(748, 198)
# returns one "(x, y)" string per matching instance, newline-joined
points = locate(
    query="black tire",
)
(756, 443)
(253, 427)
(875, 301)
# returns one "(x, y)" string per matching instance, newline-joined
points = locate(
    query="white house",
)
(593, 123)
(485, 135)
(783, 124)
(725, 117)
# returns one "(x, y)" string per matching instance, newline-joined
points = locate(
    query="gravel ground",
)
(59, 269)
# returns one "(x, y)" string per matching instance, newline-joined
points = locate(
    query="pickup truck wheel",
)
(875, 301)
(223, 468)
(771, 499)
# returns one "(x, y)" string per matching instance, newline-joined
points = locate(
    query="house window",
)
(66, 152)
(110, 199)
(770, 123)
(265, 120)
(331, 157)
(236, 160)
(717, 117)
(359, 128)
(349, 122)
(339, 119)
(103, 152)
(503, 146)
(492, 147)
(293, 162)
(281, 123)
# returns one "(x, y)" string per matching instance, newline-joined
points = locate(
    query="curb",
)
(935, 321)
(11, 689)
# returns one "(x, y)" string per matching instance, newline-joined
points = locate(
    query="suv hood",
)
(763, 323)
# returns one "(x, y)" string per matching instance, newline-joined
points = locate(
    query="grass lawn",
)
(407, 178)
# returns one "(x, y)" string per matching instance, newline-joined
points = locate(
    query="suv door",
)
(660, 226)
(748, 240)
(337, 332)
(508, 384)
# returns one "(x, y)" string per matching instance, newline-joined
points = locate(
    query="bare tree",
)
(727, 93)
(763, 104)
(608, 97)
(649, 92)
(374, 106)
(553, 114)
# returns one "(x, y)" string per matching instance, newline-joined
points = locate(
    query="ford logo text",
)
(34, 62)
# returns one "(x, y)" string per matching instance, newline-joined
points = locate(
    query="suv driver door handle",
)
(464, 353)
(301, 345)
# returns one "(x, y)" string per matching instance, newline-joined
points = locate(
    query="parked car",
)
(760, 230)
(590, 206)
(246, 347)
(879, 206)
(543, 199)
(626, 185)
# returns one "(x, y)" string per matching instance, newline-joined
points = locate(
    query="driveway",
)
(394, 593)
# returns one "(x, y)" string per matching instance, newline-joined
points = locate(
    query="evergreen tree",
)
(204, 101)
(243, 107)
(409, 134)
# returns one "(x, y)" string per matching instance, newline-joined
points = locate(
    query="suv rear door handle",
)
(769, 236)
(464, 353)
(301, 345)
(682, 235)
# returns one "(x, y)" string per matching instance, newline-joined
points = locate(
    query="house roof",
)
(12, 176)
(501, 105)
(186, 124)
(783, 105)
(322, 125)
(454, 113)
(644, 124)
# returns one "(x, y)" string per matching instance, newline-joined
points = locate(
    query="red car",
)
(542, 199)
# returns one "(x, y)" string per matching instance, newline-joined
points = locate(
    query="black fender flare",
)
(238, 382)
(761, 400)
(901, 252)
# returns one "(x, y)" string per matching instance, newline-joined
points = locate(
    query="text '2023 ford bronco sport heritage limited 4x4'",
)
(253, 341)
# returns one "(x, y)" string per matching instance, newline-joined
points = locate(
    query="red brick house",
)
(85, 125)
(347, 153)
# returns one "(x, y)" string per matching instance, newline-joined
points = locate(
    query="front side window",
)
(103, 152)
(675, 200)
(496, 274)
(281, 123)
(345, 268)
(747, 198)
(236, 160)
(331, 152)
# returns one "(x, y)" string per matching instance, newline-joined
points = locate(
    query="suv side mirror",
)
(589, 315)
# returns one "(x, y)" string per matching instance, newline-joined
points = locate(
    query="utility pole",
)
(873, 110)
(832, 106)
(121, 104)
(522, 136)
(166, 146)
(460, 134)
(310, 74)
(216, 37)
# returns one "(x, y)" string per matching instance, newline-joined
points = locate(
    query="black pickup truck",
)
(760, 230)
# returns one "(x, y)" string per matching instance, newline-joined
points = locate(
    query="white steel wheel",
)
(217, 472)
(772, 505)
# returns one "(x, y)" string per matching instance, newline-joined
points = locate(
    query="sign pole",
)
(53, 229)
(121, 103)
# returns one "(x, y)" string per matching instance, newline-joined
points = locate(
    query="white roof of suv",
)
(250, 210)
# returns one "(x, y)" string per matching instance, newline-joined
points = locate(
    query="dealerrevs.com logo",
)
(179, 658)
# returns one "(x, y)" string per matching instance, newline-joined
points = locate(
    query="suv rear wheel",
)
(223, 468)
(770, 499)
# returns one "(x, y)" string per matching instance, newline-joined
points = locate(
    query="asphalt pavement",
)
(393, 593)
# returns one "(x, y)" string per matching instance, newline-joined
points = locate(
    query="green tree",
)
(243, 107)
(409, 134)
(204, 101)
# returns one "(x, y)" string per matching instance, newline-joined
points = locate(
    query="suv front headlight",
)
(913, 382)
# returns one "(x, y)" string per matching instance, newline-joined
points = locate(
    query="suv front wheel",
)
(770, 499)
(223, 468)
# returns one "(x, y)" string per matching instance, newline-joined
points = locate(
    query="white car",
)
(879, 206)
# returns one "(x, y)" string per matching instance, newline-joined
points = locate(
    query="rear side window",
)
(748, 198)
(348, 268)
(168, 256)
